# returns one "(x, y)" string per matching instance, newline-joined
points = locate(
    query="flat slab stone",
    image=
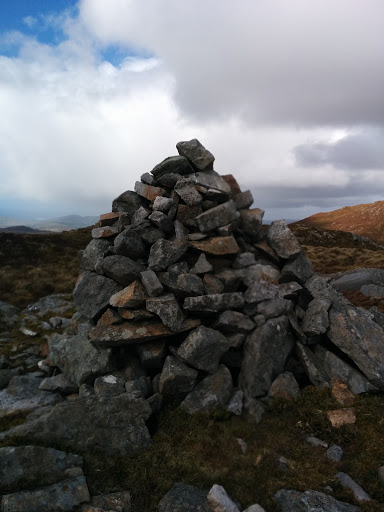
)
(113, 424)
(131, 333)
(172, 165)
(61, 497)
(218, 216)
(182, 284)
(308, 501)
(211, 180)
(214, 303)
(219, 245)
(361, 338)
(196, 153)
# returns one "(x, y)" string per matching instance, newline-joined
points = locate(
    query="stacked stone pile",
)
(182, 277)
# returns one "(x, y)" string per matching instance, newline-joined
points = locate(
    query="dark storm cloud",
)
(356, 152)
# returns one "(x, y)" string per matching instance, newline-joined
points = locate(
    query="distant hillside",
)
(362, 219)
(22, 229)
(66, 223)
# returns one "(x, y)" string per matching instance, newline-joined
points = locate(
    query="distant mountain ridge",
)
(57, 224)
(362, 219)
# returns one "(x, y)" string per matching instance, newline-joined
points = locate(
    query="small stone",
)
(162, 204)
(186, 189)
(147, 191)
(243, 260)
(130, 243)
(219, 501)
(171, 165)
(162, 221)
(282, 240)
(212, 284)
(341, 394)
(203, 349)
(234, 321)
(289, 290)
(243, 445)
(316, 320)
(256, 408)
(202, 265)
(243, 200)
(105, 232)
(109, 385)
(260, 291)
(196, 153)
(132, 296)
(110, 317)
(314, 441)
(219, 245)
(335, 453)
(218, 216)
(214, 303)
(340, 417)
(148, 179)
(184, 498)
(169, 180)
(168, 309)
(176, 378)
(235, 404)
(284, 386)
(163, 253)
(211, 394)
(251, 222)
(151, 283)
(121, 269)
(181, 267)
(358, 491)
(181, 232)
(254, 508)
(58, 384)
(140, 215)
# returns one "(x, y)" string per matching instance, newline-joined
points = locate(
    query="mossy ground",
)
(201, 451)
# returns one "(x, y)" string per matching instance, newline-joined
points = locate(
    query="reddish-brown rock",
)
(132, 296)
(218, 245)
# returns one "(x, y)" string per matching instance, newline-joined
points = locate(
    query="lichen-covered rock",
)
(121, 269)
(196, 153)
(283, 241)
(167, 309)
(308, 501)
(92, 294)
(164, 252)
(176, 378)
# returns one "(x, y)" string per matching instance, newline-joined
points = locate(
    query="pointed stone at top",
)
(196, 153)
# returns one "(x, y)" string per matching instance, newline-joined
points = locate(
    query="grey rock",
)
(335, 453)
(196, 153)
(289, 290)
(23, 394)
(243, 260)
(151, 283)
(162, 221)
(185, 188)
(169, 180)
(184, 498)
(210, 394)
(311, 501)
(129, 243)
(58, 384)
(162, 204)
(152, 235)
(218, 216)
(148, 179)
(182, 284)
(300, 270)
(230, 228)
(259, 272)
(203, 349)
(312, 366)
(265, 352)
(378, 316)
(109, 385)
(219, 501)
(319, 288)
(164, 252)
(176, 378)
(93, 253)
(316, 319)
(172, 165)
(349, 483)
(7, 374)
(27, 466)
(121, 269)
(212, 285)
(284, 386)
(211, 180)
(273, 308)
(181, 267)
(251, 222)
(254, 508)
(243, 200)
(60, 497)
(8, 313)
(105, 232)
(261, 291)
(214, 303)
(140, 216)
(236, 339)
(77, 358)
(128, 202)
(181, 232)
(168, 309)
(255, 408)
(152, 353)
(356, 278)
(314, 441)
(202, 265)
(114, 425)
(142, 386)
(234, 321)
(57, 304)
(282, 240)
(235, 404)
(372, 290)
(362, 339)
(337, 369)
(380, 473)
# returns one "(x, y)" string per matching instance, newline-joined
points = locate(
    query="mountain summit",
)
(362, 219)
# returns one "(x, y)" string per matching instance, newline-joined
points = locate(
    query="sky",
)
(287, 94)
